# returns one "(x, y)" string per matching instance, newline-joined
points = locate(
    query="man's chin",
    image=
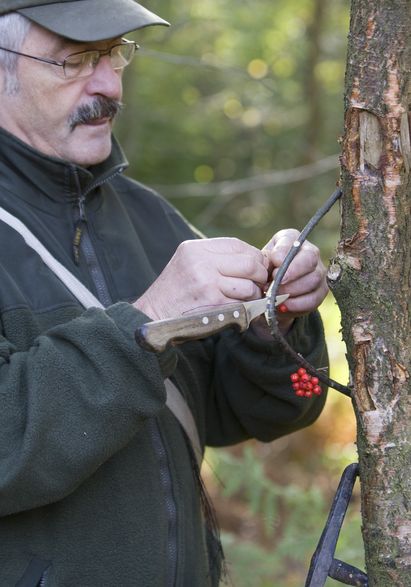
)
(93, 144)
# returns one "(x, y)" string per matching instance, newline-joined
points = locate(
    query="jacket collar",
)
(53, 178)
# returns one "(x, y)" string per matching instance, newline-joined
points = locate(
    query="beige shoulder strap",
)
(178, 405)
(175, 401)
(85, 297)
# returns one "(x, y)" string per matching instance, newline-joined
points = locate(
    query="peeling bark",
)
(371, 276)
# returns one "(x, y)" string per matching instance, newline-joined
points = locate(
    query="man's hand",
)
(206, 272)
(305, 279)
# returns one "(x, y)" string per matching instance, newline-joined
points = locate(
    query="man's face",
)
(43, 113)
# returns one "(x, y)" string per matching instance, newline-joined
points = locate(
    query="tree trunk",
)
(370, 276)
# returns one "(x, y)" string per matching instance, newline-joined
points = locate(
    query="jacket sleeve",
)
(238, 386)
(252, 394)
(72, 400)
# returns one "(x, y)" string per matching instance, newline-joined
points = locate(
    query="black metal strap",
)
(323, 563)
(347, 574)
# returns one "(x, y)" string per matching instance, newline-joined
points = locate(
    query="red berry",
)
(282, 308)
(304, 384)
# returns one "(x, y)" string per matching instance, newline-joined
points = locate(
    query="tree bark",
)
(371, 276)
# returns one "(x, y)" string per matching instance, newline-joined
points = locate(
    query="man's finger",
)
(304, 263)
(305, 284)
(240, 289)
(243, 266)
(307, 302)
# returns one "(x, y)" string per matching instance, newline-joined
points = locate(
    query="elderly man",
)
(98, 485)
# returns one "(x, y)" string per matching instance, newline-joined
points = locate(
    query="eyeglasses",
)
(83, 63)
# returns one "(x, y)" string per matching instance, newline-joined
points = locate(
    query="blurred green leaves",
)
(233, 90)
(292, 517)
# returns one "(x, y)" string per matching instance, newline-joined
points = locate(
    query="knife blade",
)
(158, 335)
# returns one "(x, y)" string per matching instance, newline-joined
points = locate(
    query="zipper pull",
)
(78, 232)
(77, 241)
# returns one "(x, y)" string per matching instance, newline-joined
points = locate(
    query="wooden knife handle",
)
(156, 336)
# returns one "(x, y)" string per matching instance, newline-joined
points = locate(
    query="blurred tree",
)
(372, 279)
(312, 87)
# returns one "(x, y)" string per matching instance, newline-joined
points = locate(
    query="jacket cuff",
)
(128, 319)
(303, 336)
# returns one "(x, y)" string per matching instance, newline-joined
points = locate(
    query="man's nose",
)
(105, 80)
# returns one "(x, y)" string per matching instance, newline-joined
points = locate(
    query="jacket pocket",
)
(35, 574)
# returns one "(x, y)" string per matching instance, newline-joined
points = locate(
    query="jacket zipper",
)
(82, 241)
(85, 244)
(171, 509)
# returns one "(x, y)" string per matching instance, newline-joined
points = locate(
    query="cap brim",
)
(92, 20)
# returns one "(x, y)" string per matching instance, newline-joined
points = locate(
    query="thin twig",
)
(236, 187)
(269, 83)
(275, 330)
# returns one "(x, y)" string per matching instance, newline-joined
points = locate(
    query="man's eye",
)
(80, 60)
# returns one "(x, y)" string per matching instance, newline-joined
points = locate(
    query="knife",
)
(158, 335)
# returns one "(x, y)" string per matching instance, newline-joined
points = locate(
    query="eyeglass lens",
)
(83, 64)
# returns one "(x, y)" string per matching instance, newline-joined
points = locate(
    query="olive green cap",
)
(85, 20)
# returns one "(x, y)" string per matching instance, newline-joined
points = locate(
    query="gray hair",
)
(13, 31)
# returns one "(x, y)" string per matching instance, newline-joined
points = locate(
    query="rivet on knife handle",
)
(157, 335)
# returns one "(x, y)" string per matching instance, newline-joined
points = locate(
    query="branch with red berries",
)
(307, 377)
(304, 384)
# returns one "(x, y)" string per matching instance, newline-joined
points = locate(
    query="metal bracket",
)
(323, 563)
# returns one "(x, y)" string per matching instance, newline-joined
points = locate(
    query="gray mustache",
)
(100, 107)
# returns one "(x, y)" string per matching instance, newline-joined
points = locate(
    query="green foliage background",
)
(234, 90)
(234, 114)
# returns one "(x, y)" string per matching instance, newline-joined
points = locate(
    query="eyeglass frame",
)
(62, 64)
